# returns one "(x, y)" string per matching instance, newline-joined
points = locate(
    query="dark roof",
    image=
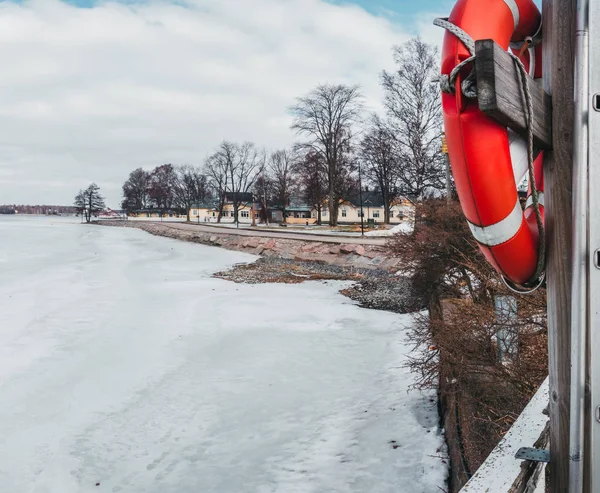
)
(370, 199)
(239, 197)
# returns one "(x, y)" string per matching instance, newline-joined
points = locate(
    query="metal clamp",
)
(533, 454)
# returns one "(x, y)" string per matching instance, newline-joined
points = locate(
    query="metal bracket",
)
(533, 454)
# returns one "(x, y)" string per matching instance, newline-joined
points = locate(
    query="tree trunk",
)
(333, 219)
(220, 211)
(386, 208)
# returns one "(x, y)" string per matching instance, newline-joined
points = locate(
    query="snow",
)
(124, 363)
(402, 228)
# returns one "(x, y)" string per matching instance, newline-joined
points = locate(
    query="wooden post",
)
(500, 94)
(559, 36)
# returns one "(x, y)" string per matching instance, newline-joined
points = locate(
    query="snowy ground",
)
(123, 363)
(404, 228)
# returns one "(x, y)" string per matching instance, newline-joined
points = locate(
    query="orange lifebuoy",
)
(487, 158)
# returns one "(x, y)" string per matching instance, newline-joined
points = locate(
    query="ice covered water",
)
(124, 367)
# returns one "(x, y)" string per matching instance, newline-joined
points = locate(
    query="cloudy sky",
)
(91, 90)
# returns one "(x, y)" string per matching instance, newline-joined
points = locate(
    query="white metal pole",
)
(594, 242)
(579, 287)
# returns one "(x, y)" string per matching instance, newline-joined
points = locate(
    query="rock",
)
(390, 263)
(259, 250)
(270, 245)
(371, 253)
(347, 248)
(360, 261)
(334, 250)
(360, 250)
(213, 239)
(378, 260)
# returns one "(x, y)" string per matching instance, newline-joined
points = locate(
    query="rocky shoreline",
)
(375, 284)
(371, 288)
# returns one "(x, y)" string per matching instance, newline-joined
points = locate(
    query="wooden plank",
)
(558, 46)
(500, 94)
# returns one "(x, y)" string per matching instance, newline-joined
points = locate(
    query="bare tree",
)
(324, 118)
(243, 173)
(241, 164)
(161, 188)
(280, 166)
(263, 191)
(135, 190)
(191, 186)
(311, 175)
(414, 109)
(89, 202)
(216, 169)
(378, 153)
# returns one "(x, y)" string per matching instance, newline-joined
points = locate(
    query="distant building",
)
(296, 212)
(373, 209)
(155, 214)
(209, 211)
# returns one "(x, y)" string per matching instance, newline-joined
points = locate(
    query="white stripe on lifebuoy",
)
(501, 232)
(518, 155)
(514, 8)
(531, 61)
(529, 202)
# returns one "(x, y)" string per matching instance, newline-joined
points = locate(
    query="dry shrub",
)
(456, 348)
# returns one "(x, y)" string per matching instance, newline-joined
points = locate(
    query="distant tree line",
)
(340, 147)
(36, 209)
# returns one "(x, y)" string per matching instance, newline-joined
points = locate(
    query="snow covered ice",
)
(124, 363)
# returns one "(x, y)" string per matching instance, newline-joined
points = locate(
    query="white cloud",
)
(90, 94)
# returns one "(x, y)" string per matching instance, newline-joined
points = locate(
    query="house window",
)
(324, 213)
(214, 214)
(232, 213)
(375, 213)
(361, 214)
(245, 214)
(391, 214)
(273, 215)
(195, 212)
(344, 213)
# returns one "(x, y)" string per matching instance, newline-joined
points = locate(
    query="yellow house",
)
(203, 213)
(210, 213)
(154, 214)
(373, 209)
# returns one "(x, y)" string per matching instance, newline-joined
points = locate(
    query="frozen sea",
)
(125, 367)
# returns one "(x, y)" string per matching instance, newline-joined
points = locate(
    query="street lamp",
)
(368, 204)
(362, 213)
